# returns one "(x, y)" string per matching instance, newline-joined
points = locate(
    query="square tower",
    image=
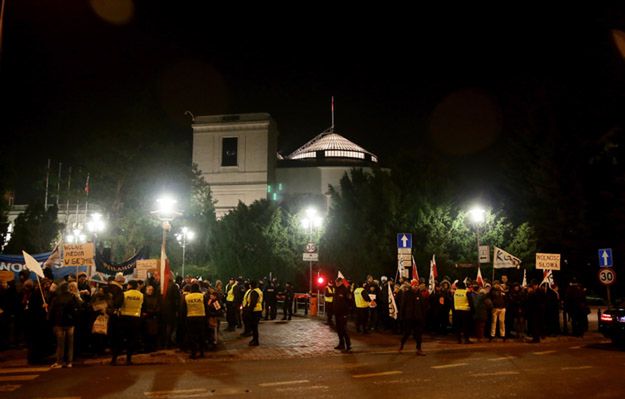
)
(236, 155)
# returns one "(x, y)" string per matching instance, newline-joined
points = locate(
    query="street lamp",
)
(310, 222)
(182, 237)
(96, 224)
(478, 216)
(76, 236)
(166, 212)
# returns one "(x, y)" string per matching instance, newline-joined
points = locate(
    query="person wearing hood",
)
(412, 313)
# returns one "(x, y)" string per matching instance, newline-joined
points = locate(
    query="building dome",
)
(331, 145)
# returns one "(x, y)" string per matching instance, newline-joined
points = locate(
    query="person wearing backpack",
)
(63, 314)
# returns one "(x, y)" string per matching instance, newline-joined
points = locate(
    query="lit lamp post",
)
(478, 215)
(310, 222)
(95, 225)
(182, 237)
(166, 212)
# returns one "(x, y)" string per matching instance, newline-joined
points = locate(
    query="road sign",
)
(607, 276)
(404, 240)
(311, 247)
(405, 259)
(310, 256)
(605, 257)
(484, 253)
(548, 261)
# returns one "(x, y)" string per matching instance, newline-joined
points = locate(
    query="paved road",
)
(558, 368)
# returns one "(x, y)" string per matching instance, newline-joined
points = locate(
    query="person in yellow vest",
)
(462, 313)
(130, 320)
(329, 299)
(361, 297)
(194, 308)
(253, 310)
(231, 318)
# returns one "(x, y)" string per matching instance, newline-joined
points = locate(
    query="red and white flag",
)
(524, 283)
(415, 272)
(479, 279)
(432, 280)
(434, 269)
(548, 279)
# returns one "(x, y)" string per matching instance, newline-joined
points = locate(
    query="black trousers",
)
(128, 331)
(329, 311)
(464, 320)
(251, 323)
(271, 310)
(196, 334)
(231, 315)
(288, 309)
(414, 328)
(362, 315)
(341, 330)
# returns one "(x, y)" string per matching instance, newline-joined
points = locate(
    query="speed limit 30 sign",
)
(607, 276)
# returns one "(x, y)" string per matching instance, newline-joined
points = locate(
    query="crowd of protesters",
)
(472, 311)
(77, 317)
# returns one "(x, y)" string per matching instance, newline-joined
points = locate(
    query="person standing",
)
(462, 313)
(288, 301)
(151, 313)
(361, 297)
(63, 313)
(413, 315)
(194, 309)
(231, 289)
(130, 321)
(342, 304)
(271, 300)
(498, 312)
(253, 310)
(329, 298)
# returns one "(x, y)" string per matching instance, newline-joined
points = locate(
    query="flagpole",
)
(332, 113)
(87, 201)
(41, 290)
(45, 202)
(69, 183)
(58, 185)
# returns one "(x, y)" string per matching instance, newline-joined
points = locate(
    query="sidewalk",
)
(302, 337)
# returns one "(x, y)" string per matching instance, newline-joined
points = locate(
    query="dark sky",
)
(71, 69)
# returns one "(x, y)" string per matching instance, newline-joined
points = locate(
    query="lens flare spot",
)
(117, 12)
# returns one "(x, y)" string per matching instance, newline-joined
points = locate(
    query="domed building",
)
(237, 155)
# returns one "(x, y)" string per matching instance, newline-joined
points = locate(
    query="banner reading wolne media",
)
(15, 264)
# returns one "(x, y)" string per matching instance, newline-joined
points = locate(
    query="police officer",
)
(270, 297)
(329, 298)
(130, 321)
(288, 301)
(462, 313)
(231, 307)
(194, 307)
(361, 297)
(253, 310)
(342, 304)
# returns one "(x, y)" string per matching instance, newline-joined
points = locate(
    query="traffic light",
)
(321, 281)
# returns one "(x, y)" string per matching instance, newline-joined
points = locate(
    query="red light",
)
(321, 280)
(606, 317)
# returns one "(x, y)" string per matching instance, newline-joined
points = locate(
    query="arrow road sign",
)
(605, 257)
(404, 240)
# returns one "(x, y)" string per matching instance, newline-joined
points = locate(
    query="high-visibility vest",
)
(360, 301)
(259, 303)
(195, 304)
(133, 300)
(461, 302)
(329, 299)
(230, 296)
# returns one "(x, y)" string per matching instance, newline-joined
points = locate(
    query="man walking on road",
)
(342, 304)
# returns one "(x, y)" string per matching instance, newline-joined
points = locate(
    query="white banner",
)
(504, 260)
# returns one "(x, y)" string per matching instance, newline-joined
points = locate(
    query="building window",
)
(229, 151)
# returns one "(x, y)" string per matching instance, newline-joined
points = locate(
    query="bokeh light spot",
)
(117, 12)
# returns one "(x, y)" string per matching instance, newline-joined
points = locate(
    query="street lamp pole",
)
(478, 216)
(185, 233)
(166, 212)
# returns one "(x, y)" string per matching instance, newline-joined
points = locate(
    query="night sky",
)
(402, 78)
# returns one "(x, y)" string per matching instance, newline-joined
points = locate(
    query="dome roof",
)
(333, 145)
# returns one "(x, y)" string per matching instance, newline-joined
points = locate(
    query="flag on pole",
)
(502, 259)
(548, 279)
(524, 283)
(479, 279)
(32, 264)
(434, 268)
(54, 259)
(392, 306)
(345, 282)
(431, 281)
(87, 188)
(415, 272)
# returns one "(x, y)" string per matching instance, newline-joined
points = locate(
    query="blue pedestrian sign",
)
(404, 240)
(605, 257)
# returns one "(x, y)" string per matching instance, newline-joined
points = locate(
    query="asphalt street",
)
(569, 368)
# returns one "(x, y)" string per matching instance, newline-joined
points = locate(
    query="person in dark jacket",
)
(287, 294)
(151, 313)
(271, 300)
(253, 310)
(63, 313)
(535, 311)
(342, 306)
(412, 313)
